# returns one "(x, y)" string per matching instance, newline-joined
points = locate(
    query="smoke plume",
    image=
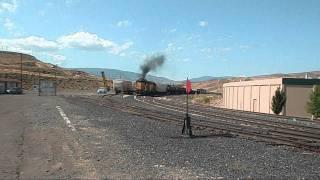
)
(152, 63)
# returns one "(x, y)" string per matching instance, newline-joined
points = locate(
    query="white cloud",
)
(8, 24)
(171, 47)
(203, 23)
(88, 41)
(57, 58)
(124, 23)
(79, 40)
(8, 5)
(31, 43)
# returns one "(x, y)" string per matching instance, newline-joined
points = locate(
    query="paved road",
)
(66, 137)
(36, 141)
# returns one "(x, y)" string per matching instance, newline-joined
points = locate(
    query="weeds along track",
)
(305, 137)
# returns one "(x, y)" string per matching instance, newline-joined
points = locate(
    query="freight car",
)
(122, 86)
(201, 91)
(162, 89)
(175, 89)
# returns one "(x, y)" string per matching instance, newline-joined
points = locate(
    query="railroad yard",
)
(94, 137)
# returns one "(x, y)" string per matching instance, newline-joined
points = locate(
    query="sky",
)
(198, 37)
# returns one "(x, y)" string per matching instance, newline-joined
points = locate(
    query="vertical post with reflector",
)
(186, 130)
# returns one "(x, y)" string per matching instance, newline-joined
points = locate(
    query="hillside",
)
(126, 75)
(215, 85)
(311, 74)
(208, 78)
(32, 69)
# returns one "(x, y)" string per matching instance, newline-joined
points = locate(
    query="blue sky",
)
(198, 37)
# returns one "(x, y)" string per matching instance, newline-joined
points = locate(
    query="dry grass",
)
(208, 99)
(238, 166)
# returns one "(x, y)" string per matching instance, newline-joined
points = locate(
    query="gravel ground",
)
(106, 143)
(138, 147)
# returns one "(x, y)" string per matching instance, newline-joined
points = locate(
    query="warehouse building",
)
(256, 96)
(6, 84)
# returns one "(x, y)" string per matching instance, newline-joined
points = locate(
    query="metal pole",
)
(39, 84)
(187, 120)
(187, 104)
(21, 70)
(55, 84)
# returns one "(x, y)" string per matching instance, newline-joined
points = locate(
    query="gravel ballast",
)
(128, 146)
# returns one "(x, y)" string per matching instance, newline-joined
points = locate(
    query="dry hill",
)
(32, 69)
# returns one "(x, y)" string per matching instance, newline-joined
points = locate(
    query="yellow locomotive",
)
(144, 87)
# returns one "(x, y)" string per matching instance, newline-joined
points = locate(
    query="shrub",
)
(313, 105)
(278, 101)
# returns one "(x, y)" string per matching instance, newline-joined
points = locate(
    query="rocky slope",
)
(34, 69)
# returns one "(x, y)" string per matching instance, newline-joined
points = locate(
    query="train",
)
(143, 87)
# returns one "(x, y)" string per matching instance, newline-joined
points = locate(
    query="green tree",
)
(278, 101)
(313, 105)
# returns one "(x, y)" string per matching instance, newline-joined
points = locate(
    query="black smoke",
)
(151, 63)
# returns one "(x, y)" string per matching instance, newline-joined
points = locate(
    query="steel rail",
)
(229, 127)
(282, 117)
(274, 124)
(244, 115)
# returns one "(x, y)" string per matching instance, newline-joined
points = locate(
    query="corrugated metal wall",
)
(47, 88)
(255, 98)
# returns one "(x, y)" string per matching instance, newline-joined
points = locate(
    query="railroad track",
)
(242, 117)
(246, 113)
(304, 137)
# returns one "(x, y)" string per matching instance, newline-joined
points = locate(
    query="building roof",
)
(275, 81)
(300, 81)
(8, 80)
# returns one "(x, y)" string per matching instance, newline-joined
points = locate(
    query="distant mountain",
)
(208, 78)
(310, 74)
(126, 75)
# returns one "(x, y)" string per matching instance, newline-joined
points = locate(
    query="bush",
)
(206, 100)
(278, 101)
(313, 105)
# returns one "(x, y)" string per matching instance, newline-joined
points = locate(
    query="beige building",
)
(256, 96)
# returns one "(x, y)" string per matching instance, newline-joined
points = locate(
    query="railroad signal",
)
(186, 130)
